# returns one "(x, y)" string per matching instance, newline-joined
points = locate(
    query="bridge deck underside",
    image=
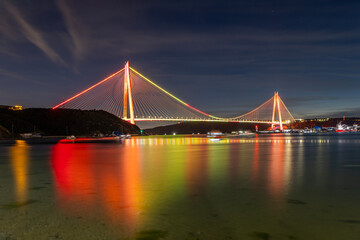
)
(205, 120)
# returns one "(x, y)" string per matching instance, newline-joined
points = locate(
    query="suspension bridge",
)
(133, 97)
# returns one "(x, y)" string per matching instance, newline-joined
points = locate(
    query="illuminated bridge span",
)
(133, 97)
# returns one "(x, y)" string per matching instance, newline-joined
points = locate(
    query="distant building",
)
(15, 108)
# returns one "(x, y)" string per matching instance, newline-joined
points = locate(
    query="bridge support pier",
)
(128, 95)
(276, 105)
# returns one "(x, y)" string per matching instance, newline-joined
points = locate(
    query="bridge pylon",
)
(128, 95)
(276, 106)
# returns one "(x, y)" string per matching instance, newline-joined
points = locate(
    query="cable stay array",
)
(130, 95)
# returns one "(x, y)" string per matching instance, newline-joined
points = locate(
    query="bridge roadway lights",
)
(201, 120)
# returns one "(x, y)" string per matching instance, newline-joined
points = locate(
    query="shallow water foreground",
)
(186, 188)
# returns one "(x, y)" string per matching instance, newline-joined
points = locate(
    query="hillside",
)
(329, 122)
(61, 122)
(203, 127)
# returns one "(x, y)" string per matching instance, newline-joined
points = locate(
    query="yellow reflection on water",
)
(276, 169)
(255, 165)
(197, 166)
(159, 141)
(146, 179)
(288, 147)
(19, 162)
(272, 164)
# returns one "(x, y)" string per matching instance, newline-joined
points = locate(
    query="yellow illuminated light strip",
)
(179, 100)
(156, 85)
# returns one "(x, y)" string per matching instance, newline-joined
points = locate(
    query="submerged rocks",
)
(18, 204)
(295, 201)
(151, 235)
(261, 235)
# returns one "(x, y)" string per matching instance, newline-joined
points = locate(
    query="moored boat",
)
(73, 139)
(239, 134)
(215, 134)
(342, 128)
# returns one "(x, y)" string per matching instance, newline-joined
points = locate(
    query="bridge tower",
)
(276, 106)
(128, 96)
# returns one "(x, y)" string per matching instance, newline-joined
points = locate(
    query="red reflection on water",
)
(121, 186)
(73, 174)
(92, 179)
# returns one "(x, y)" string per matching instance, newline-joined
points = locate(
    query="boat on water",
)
(241, 134)
(308, 130)
(121, 135)
(340, 128)
(215, 134)
(266, 131)
(215, 139)
(73, 139)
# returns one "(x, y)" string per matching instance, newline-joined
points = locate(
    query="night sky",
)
(223, 57)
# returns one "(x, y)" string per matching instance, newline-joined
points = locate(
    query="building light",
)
(17, 108)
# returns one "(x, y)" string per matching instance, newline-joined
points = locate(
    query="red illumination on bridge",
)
(198, 110)
(133, 97)
(88, 89)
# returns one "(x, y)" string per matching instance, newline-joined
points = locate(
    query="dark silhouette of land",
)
(61, 122)
(204, 127)
(327, 122)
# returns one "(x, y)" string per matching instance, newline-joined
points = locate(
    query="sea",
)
(273, 186)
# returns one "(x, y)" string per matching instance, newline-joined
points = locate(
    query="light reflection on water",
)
(19, 162)
(103, 180)
(193, 188)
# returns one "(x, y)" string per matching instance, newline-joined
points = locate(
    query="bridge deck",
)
(204, 120)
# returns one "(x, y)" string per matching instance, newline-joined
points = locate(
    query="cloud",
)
(337, 113)
(33, 35)
(6, 29)
(7, 50)
(10, 74)
(299, 100)
(75, 29)
(17, 76)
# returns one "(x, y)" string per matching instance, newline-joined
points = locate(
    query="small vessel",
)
(73, 139)
(121, 135)
(237, 134)
(214, 139)
(266, 131)
(342, 128)
(308, 130)
(215, 134)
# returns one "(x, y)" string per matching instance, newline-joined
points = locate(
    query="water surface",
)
(187, 188)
